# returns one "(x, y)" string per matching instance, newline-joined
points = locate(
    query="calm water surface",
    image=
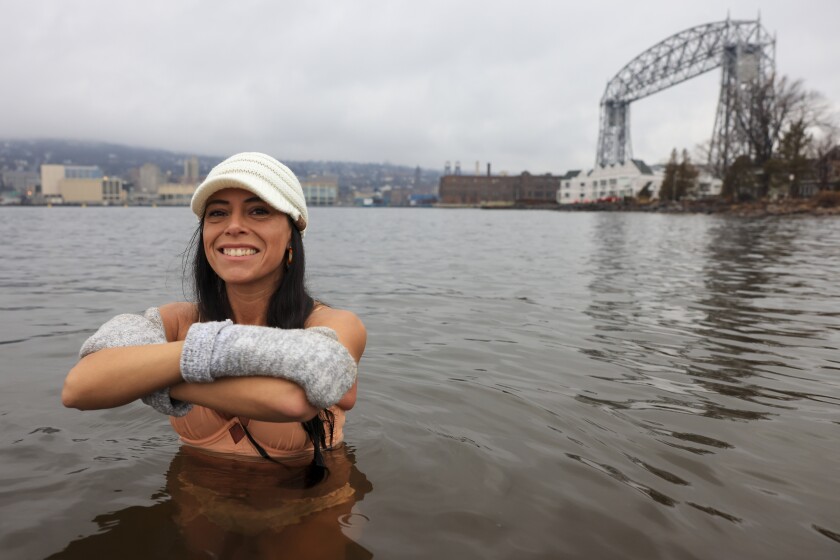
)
(536, 385)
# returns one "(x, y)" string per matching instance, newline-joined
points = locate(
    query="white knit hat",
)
(262, 175)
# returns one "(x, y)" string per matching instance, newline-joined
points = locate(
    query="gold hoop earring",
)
(289, 258)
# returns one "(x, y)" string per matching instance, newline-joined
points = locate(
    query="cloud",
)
(405, 82)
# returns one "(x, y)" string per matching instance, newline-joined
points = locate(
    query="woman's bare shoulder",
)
(350, 329)
(324, 316)
(177, 318)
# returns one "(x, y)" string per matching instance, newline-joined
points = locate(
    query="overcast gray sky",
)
(412, 83)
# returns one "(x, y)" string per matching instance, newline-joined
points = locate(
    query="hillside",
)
(122, 161)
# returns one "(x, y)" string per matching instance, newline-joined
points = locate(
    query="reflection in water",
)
(214, 507)
(737, 273)
(693, 330)
(746, 331)
(688, 342)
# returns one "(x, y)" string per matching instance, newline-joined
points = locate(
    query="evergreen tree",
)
(686, 176)
(739, 183)
(792, 151)
(826, 152)
(679, 177)
(669, 183)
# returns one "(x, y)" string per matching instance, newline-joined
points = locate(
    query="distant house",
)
(706, 184)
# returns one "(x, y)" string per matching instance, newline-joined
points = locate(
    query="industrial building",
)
(79, 184)
(497, 190)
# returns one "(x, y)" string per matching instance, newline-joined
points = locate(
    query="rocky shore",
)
(824, 204)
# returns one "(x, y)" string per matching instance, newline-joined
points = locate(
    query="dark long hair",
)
(289, 307)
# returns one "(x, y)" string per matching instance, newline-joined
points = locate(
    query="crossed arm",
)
(116, 376)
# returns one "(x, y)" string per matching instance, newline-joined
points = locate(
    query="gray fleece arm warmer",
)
(136, 330)
(313, 358)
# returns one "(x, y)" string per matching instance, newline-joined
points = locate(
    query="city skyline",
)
(402, 83)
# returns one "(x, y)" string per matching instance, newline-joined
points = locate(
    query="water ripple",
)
(536, 384)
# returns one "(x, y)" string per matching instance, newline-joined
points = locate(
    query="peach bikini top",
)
(208, 430)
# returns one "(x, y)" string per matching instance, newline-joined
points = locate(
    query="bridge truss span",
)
(744, 50)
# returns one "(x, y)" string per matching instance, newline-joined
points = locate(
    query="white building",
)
(609, 182)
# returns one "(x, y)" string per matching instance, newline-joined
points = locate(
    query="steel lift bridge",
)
(744, 50)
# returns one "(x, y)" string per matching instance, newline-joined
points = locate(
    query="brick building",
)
(474, 190)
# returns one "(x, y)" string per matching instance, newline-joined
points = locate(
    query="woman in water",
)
(254, 367)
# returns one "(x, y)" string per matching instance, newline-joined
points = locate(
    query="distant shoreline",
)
(817, 206)
(78, 205)
(823, 205)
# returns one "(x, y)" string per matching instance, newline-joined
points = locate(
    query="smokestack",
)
(488, 168)
(477, 168)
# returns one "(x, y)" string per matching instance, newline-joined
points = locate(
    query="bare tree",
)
(776, 108)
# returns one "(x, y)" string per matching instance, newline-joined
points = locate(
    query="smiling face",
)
(245, 239)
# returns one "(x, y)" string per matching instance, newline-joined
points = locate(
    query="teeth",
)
(239, 252)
